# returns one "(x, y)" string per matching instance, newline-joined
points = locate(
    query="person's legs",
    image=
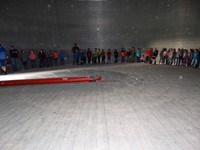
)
(95, 60)
(177, 61)
(192, 62)
(160, 61)
(13, 63)
(163, 60)
(186, 62)
(195, 63)
(103, 60)
(51, 62)
(4, 70)
(123, 59)
(116, 60)
(62, 62)
(89, 61)
(33, 64)
(24, 64)
(40, 63)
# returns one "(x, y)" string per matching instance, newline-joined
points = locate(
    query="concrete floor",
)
(135, 107)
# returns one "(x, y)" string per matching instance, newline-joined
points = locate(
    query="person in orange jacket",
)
(55, 56)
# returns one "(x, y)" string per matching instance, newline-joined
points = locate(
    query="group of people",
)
(45, 59)
(124, 56)
(82, 56)
(24, 60)
(178, 57)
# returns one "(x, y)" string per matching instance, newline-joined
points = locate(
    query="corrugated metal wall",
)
(58, 24)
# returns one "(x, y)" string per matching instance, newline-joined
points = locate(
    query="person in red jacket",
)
(148, 55)
(32, 58)
(55, 56)
(123, 55)
(109, 56)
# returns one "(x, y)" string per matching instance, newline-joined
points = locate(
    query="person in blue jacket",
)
(3, 60)
(195, 59)
(138, 55)
(62, 58)
(83, 57)
(77, 57)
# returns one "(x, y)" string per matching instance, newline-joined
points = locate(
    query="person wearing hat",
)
(3, 60)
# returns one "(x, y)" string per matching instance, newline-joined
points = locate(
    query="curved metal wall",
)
(57, 24)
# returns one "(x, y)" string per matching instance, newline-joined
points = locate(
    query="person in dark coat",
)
(89, 55)
(154, 56)
(75, 49)
(116, 54)
(14, 56)
(41, 57)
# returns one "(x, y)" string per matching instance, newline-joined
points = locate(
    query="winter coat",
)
(2, 53)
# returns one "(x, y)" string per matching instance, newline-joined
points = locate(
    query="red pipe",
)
(50, 80)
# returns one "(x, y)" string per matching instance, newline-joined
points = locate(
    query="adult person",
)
(3, 60)
(75, 48)
(14, 55)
